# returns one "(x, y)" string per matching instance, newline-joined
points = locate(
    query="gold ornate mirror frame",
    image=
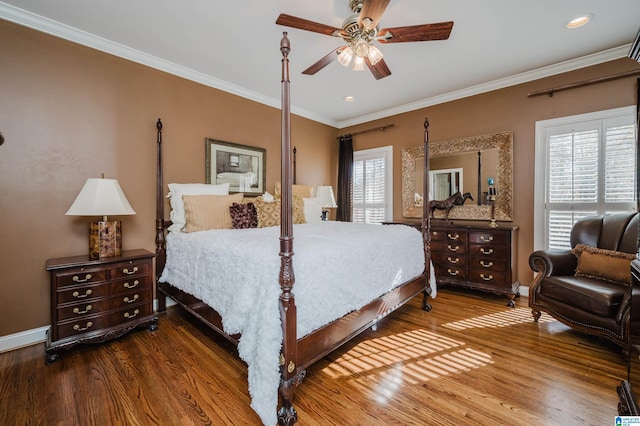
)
(504, 176)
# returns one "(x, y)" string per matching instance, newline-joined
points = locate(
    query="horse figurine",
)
(464, 197)
(445, 205)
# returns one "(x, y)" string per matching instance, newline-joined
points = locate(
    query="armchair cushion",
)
(607, 265)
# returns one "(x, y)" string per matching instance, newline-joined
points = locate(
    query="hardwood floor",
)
(470, 361)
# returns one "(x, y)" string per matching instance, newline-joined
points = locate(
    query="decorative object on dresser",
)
(475, 256)
(96, 300)
(327, 200)
(102, 197)
(586, 287)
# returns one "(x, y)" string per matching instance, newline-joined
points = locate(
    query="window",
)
(585, 166)
(372, 185)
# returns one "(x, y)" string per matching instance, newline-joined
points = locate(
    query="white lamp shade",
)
(325, 195)
(100, 197)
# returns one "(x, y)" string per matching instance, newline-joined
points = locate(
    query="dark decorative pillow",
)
(604, 264)
(243, 216)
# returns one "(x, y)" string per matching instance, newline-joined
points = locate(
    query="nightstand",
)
(93, 301)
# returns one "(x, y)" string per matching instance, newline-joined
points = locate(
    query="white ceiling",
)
(234, 46)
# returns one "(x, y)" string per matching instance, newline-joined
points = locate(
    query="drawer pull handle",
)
(483, 251)
(133, 271)
(78, 328)
(434, 233)
(83, 280)
(134, 285)
(486, 265)
(79, 312)
(455, 236)
(456, 248)
(454, 273)
(454, 260)
(77, 294)
(127, 300)
(486, 239)
(489, 278)
(135, 314)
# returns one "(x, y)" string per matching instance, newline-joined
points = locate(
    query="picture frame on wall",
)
(243, 167)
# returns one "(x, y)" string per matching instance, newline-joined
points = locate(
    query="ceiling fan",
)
(359, 31)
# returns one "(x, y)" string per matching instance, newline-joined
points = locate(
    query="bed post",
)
(426, 220)
(160, 239)
(290, 377)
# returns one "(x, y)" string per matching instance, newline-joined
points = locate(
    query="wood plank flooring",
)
(470, 361)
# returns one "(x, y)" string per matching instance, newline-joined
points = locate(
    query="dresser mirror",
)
(464, 165)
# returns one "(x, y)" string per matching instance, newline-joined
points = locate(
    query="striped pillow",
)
(205, 212)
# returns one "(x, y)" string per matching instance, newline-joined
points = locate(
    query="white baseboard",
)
(34, 336)
(24, 338)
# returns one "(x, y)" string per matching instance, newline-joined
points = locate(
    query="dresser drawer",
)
(488, 264)
(88, 324)
(449, 259)
(77, 276)
(455, 236)
(489, 278)
(489, 251)
(444, 272)
(488, 237)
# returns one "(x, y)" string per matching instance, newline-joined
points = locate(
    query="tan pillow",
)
(269, 213)
(303, 191)
(604, 264)
(205, 212)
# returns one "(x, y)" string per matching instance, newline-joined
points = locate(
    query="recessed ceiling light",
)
(348, 98)
(579, 21)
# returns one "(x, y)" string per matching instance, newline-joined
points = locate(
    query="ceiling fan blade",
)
(379, 70)
(372, 9)
(332, 56)
(425, 32)
(304, 24)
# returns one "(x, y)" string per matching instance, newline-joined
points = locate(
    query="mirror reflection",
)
(479, 165)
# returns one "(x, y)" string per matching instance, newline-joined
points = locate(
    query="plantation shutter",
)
(371, 186)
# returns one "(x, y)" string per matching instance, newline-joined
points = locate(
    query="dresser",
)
(629, 390)
(475, 256)
(96, 300)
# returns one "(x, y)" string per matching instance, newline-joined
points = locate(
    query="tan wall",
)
(503, 110)
(69, 113)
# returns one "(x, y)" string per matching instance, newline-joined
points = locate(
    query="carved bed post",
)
(290, 378)
(160, 238)
(426, 219)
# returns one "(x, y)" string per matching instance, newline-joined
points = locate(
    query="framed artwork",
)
(243, 167)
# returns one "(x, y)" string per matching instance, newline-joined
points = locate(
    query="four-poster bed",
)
(302, 336)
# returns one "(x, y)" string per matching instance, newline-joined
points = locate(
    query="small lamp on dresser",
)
(327, 200)
(102, 197)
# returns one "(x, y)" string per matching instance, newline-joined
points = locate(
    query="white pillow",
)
(312, 210)
(177, 190)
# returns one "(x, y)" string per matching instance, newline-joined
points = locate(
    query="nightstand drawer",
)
(82, 293)
(125, 285)
(77, 276)
(99, 306)
(94, 323)
(129, 269)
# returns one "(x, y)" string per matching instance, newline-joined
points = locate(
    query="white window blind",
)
(372, 171)
(588, 167)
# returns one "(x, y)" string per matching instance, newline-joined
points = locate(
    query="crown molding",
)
(66, 32)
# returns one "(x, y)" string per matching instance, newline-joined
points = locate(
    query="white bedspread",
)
(339, 267)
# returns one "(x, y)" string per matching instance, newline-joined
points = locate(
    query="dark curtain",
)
(345, 180)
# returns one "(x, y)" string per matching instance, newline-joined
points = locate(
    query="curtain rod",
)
(381, 128)
(552, 90)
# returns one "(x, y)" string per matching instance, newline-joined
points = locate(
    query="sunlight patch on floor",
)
(499, 319)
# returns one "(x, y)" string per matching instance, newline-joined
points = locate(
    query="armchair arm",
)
(553, 262)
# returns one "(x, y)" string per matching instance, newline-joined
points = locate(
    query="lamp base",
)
(105, 239)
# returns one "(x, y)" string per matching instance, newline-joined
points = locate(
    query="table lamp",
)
(327, 200)
(102, 197)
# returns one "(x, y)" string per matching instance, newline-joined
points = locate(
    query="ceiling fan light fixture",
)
(375, 55)
(358, 63)
(345, 56)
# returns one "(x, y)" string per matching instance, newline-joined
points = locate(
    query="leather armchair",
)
(591, 305)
